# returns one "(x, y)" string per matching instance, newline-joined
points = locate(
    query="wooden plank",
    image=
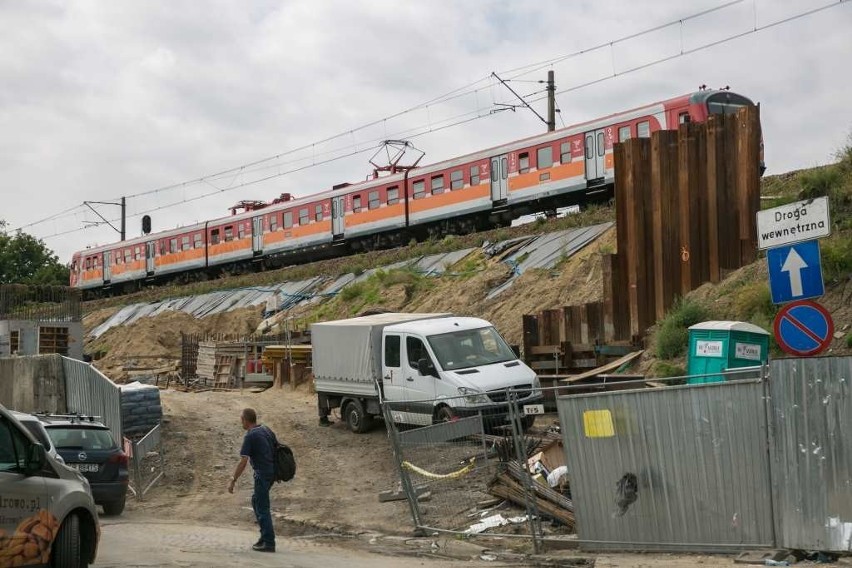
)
(545, 349)
(544, 365)
(700, 245)
(530, 339)
(748, 179)
(687, 201)
(594, 320)
(715, 179)
(639, 243)
(605, 368)
(731, 258)
(666, 232)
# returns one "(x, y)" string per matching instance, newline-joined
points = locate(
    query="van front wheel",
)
(445, 414)
(356, 417)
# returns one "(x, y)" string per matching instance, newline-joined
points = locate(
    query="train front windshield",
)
(726, 103)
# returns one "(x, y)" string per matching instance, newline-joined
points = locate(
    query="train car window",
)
(393, 195)
(474, 175)
(137, 253)
(494, 175)
(173, 245)
(683, 118)
(288, 219)
(128, 256)
(419, 187)
(643, 129)
(624, 133)
(356, 204)
(241, 231)
(273, 222)
(589, 153)
(318, 213)
(544, 159)
(437, 185)
(184, 243)
(565, 152)
(197, 241)
(88, 264)
(373, 200)
(523, 162)
(214, 237)
(304, 219)
(601, 144)
(229, 233)
(457, 179)
(117, 259)
(505, 164)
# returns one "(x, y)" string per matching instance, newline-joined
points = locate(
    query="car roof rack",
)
(74, 417)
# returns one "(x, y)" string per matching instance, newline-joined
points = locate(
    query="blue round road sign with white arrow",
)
(803, 328)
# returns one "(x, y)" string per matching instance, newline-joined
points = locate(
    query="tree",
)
(25, 259)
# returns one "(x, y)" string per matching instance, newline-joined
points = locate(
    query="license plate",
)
(85, 467)
(533, 409)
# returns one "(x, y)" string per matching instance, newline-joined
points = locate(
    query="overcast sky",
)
(100, 99)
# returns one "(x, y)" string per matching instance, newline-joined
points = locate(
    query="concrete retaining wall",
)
(32, 384)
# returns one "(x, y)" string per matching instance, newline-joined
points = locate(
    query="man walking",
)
(258, 448)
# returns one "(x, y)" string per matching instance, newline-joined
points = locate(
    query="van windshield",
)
(470, 348)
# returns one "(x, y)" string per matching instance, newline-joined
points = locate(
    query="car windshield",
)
(73, 438)
(470, 348)
(37, 432)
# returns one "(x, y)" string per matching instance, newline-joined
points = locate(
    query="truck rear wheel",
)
(356, 417)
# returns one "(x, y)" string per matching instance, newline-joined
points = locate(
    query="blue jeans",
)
(260, 505)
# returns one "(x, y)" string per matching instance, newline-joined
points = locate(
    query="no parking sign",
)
(803, 328)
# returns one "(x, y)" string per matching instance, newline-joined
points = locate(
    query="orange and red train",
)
(570, 166)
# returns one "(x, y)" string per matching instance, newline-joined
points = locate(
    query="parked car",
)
(48, 516)
(88, 446)
(36, 428)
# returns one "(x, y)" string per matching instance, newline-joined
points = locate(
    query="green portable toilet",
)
(716, 346)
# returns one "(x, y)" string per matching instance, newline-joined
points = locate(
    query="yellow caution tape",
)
(453, 475)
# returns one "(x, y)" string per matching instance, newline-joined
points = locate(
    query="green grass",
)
(673, 335)
(665, 370)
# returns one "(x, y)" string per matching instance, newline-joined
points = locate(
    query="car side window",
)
(392, 351)
(13, 448)
(415, 350)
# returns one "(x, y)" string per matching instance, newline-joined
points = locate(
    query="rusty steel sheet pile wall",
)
(700, 461)
(90, 392)
(685, 203)
(811, 452)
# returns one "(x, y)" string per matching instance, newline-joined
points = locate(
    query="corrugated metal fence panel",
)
(812, 452)
(700, 456)
(90, 392)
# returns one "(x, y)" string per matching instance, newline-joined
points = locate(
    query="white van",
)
(430, 368)
(47, 514)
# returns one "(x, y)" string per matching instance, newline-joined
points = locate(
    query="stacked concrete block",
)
(140, 409)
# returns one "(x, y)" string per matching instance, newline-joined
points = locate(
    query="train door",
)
(107, 263)
(150, 252)
(499, 178)
(257, 234)
(595, 150)
(337, 216)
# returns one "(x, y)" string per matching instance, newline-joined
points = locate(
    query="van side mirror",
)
(36, 458)
(426, 368)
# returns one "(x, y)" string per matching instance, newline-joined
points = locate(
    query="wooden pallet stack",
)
(219, 362)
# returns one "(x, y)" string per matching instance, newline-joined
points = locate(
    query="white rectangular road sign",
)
(792, 223)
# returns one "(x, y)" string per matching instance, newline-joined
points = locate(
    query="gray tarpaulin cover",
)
(344, 353)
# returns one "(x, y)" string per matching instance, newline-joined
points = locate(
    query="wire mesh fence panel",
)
(467, 477)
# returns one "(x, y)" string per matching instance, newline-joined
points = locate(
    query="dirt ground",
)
(339, 473)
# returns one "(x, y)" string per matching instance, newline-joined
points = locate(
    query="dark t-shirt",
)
(257, 446)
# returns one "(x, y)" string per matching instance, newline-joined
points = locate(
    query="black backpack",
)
(283, 459)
